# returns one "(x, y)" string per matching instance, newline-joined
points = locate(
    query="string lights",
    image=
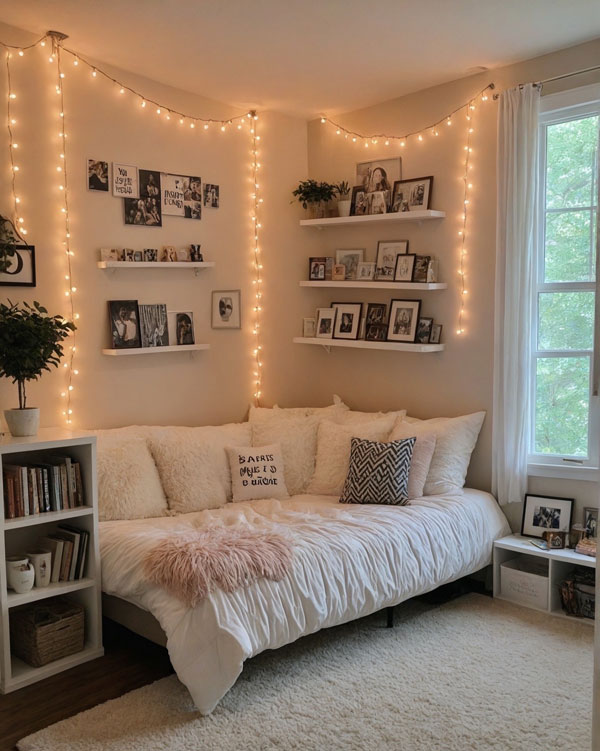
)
(18, 220)
(420, 137)
(256, 259)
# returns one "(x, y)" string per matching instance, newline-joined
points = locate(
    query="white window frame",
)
(557, 108)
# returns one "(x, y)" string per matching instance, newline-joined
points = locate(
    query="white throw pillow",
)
(352, 417)
(193, 464)
(455, 440)
(257, 473)
(333, 452)
(128, 483)
(421, 456)
(257, 414)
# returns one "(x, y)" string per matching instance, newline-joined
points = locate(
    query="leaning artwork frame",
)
(542, 513)
(21, 271)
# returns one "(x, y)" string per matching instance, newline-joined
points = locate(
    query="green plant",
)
(311, 191)
(343, 190)
(30, 341)
(8, 242)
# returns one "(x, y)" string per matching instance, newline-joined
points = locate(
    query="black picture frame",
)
(119, 336)
(420, 269)
(19, 277)
(410, 259)
(376, 313)
(409, 338)
(424, 330)
(436, 333)
(339, 321)
(356, 191)
(531, 513)
(410, 202)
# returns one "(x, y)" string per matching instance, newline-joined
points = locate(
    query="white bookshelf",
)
(362, 344)
(22, 534)
(393, 218)
(351, 284)
(155, 350)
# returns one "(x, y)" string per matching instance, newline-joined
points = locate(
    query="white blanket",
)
(349, 561)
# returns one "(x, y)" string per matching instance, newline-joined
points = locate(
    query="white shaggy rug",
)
(473, 674)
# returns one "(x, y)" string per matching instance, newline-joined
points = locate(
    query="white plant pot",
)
(22, 422)
(344, 208)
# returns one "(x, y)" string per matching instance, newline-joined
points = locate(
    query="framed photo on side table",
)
(543, 513)
(404, 319)
(226, 309)
(347, 320)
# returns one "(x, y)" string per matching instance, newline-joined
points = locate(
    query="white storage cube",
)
(525, 580)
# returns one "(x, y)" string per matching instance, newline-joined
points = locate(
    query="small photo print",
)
(184, 328)
(436, 333)
(150, 254)
(138, 256)
(192, 197)
(378, 202)
(365, 271)
(325, 323)
(125, 181)
(376, 313)
(226, 309)
(376, 332)
(124, 324)
(590, 521)
(309, 326)
(338, 272)
(195, 254)
(129, 254)
(359, 203)
(168, 254)
(405, 265)
(98, 175)
(112, 254)
(144, 212)
(424, 330)
(153, 325)
(183, 254)
(546, 517)
(350, 258)
(420, 269)
(211, 196)
(387, 253)
(317, 268)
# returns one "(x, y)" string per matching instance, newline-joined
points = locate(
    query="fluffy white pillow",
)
(257, 473)
(333, 452)
(455, 440)
(421, 456)
(128, 482)
(193, 464)
(257, 414)
(352, 417)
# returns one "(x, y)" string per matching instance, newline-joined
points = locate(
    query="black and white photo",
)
(405, 264)
(376, 313)
(420, 269)
(590, 521)
(412, 195)
(436, 333)
(424, 330)
(192, 197)
(378, 202)
(146, 210)
(21, 268)
(541, 513)
(365, 271)
(376, 332)
(347, 320)
(349, 258)
(309, 327)
(317, 268)
(184, 328)
(325, 323)
(153, 325)
(359, 203)
(385, 262)
(98, 175)
(195, 254)
(378, 175)
(125, 181)
(226, 309)
(150, 255)
(404, 319)
(112, 254)
(124, 324)
(211, 196)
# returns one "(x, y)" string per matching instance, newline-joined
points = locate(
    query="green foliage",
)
(7, 243)
(30, 342)
(343, 190)
(311, 191)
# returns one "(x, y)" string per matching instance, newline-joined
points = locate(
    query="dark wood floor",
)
(128, 663)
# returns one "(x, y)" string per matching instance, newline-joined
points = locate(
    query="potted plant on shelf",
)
(30, 342)
(316, 195)
(343, 191)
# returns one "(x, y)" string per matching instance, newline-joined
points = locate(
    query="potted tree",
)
(343, 191)
(30, 342)
(314, 194)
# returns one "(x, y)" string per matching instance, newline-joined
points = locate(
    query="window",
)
(565, 422)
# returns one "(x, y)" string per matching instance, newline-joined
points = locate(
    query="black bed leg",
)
(390, 617)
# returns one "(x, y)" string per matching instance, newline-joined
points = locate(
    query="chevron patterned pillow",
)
(378, 472)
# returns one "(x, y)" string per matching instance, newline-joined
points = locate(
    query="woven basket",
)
(43, 632)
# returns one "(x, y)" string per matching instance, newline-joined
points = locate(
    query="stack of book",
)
(68, 546)
(53, 484)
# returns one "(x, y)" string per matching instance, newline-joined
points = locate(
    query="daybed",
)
(349, 560)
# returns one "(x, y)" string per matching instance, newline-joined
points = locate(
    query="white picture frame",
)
(325, 323)
(385, 261)
(349, 258)
(226, 309)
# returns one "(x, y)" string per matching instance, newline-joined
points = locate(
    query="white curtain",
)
(517, 169)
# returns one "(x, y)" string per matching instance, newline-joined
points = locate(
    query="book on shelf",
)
(52, 484)
(69, 546)
(55, 546)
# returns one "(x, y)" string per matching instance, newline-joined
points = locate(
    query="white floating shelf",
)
(47, 516)
(362, 344)
(155, 350)
(400, 216)
(156, 264)
(377, 285)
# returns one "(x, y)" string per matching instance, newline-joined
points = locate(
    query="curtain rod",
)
(558, 78)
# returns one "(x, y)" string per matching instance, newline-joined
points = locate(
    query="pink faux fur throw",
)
(193, 564)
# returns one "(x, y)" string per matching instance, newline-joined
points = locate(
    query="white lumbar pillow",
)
(193, 464)
(455, 440)
(421, 456)
(128, 483)
(257, 473)
(333, 452)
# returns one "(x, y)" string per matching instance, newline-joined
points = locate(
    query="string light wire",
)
(18, 223)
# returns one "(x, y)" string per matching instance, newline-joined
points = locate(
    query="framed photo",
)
(424, 330)
(309, 327)
(385, 262)
(168, 254)
(124, 318)
(365, 271)
(211, 196)
(192, 197)
(404, 319)
(183, 255)
(412, 195)
(378, 202)
(138, 256)
(325, 323)
(184, 327)
(21, 272)
(420, 269)
(98, 175)
(154, 328)
(376, 332)
(358, 204)
(195, 254)
(405, 265)
(376, 313)
(129, 254)
(436, 333)
(338, 273)
(226, 309)
(317, 268)
(378, 175)
(151, 254)
(350, 258)
(112, 254)
(590, 521)
(347, 320)
(147, 209)
(555, 540)
(545, 513)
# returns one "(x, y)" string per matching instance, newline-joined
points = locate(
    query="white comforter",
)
(349, 561)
